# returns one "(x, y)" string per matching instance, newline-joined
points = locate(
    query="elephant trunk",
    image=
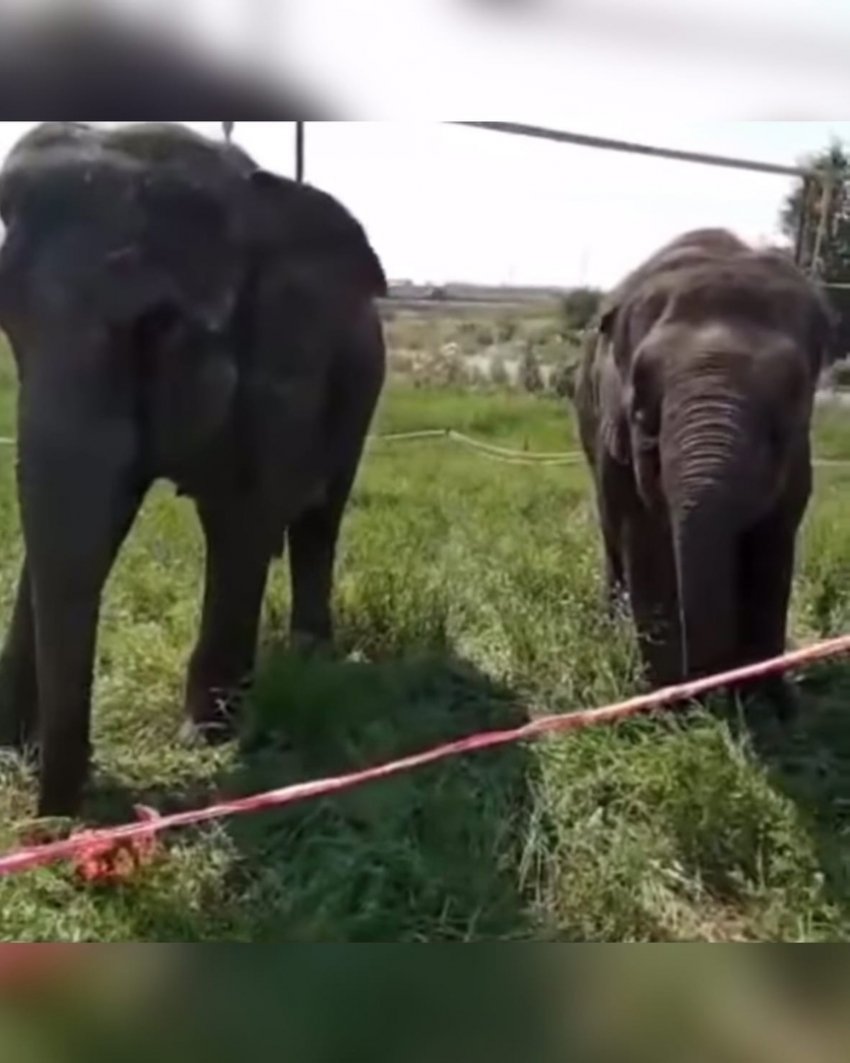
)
(79, 493)
(187, 383)
(712, 478)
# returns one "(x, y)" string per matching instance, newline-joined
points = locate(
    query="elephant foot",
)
(212, 715)
(194, 735)
(779, 694)
(616, 606)
(18, 722)
(15, 736)
(62, 790)
(60, 804)
(784, 697)
(309, 644)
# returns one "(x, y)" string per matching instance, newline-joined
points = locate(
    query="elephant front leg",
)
(766, 568)
(610, 494)
(78, 504)
(651, 580)
(237, 564)
(615, 579)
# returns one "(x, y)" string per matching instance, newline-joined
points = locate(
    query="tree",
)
(826, 238)
(530, 374)
(579, 307)
(564, 378)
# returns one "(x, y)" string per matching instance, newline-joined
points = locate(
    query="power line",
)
(608, 144)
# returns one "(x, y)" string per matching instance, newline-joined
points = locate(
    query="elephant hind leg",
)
(18, 682)
(238, 554)
(615, 574)
(358, 376)
(312, 541)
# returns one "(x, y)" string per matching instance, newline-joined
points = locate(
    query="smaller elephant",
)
(694, 400)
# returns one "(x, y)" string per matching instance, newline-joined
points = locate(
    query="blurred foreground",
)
(431, 59)
(522, 1003)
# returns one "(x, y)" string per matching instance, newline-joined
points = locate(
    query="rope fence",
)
(115, 853)
(527, 457)
(502, 454)
(516, 457)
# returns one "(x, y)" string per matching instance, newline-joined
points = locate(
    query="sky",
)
(442, 202)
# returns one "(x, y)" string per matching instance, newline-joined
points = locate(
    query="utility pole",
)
(299, 152)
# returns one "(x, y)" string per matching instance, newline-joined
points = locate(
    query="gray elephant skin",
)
(694, 400)
(175, 312)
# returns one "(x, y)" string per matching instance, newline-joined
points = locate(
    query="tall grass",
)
(468, 597)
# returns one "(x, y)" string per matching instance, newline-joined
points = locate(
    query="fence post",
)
(802, 223)
(824, 218)
(299, 152)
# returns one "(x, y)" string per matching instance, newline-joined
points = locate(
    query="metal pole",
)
(299, 152)
(827, 190)
(803, 222)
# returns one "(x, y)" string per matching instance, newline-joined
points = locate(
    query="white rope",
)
(519, 457)
(400, 437)
(559, 457)
(527, 457)
(502, 454)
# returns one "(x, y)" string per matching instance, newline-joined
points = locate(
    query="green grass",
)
(468, 598)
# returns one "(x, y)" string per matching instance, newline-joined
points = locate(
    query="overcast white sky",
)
(442, 202)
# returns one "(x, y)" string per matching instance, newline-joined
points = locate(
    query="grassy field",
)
(468, 598)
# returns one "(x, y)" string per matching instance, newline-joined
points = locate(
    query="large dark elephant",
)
(175, 312)
(694, 400)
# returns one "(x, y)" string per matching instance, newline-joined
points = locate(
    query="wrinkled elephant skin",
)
(177, 312)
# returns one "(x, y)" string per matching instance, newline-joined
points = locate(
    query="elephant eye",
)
(647, 429)
(644, 409)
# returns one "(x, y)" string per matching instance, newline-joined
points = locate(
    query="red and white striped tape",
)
(102, 845)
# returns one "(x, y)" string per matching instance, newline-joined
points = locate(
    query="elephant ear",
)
(312, 233)
(611, 387)
(816, 312)
(625, 384)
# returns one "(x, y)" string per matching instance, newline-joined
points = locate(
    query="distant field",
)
(461, 306)
(468, 598)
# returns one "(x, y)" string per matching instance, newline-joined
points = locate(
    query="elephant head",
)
(709, 358)
(185, 254)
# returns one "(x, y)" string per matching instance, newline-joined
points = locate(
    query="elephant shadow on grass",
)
(808, 761)
(432, 855)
